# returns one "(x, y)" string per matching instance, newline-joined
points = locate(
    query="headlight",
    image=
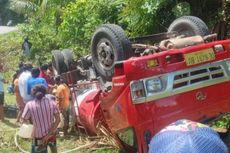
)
(137, 91)
(154, 85)
(148, 88)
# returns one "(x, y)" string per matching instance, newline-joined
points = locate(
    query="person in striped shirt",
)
(44, 115)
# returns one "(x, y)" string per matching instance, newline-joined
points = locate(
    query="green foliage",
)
(42, 34)
(181, 9)
(41, 26)
(81, 18)
(7, 14)
(222, 122)
(10, 52)
(141, 16)
(70, 24)
(153, 16)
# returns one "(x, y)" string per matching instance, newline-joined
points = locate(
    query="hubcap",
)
(105, 54)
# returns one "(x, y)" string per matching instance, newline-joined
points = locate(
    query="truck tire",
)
(108, 45)
(68, 58)
(58, 63)
(189, 26)
(129, 52)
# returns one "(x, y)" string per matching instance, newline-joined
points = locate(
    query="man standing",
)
(43, 74)
(44, 115)
(35, 80)
(1, 97)
(19, 99)
(26, 47)
(22, 82)
(62, 100)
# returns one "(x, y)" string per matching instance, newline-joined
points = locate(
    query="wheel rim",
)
(105, 54)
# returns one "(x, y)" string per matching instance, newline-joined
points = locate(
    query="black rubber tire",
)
(68, 58)
(113, 38)
(126, 44)
(58, 63)
(189, 26)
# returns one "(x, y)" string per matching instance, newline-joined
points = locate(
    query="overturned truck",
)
(133, 87)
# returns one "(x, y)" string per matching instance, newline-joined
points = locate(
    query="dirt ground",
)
(85, 144)
(78, 143)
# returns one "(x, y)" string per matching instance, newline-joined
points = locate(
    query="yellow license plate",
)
(199, 57)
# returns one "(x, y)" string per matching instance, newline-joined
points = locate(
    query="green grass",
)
(7, 145)
(7, 133)
(9, 98)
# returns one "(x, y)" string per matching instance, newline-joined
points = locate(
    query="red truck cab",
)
(151, 92)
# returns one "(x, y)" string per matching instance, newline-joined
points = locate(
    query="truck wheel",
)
(58, 62)
(189, 26)
(108, 45)
(68, 58)
(123, 38)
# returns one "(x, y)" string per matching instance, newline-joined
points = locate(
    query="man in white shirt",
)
(1, 97)
(22, 82)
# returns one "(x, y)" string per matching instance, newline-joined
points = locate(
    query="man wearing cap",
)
(184, 136)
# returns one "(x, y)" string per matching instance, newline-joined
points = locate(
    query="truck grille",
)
(189, 79)
(198, 75)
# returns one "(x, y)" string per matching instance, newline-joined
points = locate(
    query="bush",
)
(81, 18)
(43, 35)
(10, 51)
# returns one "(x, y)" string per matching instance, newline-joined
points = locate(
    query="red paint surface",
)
(119, 111)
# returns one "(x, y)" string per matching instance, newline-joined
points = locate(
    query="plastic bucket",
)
(25, 131)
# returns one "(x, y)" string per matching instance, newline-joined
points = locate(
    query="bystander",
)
(19, 99)
(62, 99)
(35, 80)
(22, 82)
(44, 115)
(1, 97)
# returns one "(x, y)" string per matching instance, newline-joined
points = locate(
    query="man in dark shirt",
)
(26, 47)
